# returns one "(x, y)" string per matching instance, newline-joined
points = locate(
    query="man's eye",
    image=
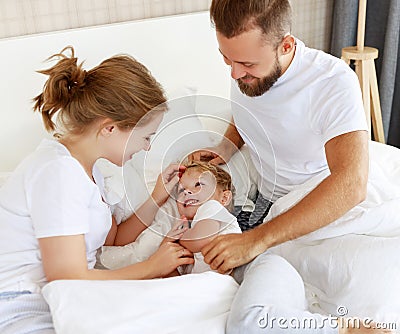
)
(248, 65)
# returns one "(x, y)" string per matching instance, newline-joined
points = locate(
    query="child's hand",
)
(181, 226)
(166, 182)
(168, 257)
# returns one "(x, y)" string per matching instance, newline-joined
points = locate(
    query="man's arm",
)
(347, 157)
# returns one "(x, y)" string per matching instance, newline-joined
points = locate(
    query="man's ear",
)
(287, 45)
(226, 197)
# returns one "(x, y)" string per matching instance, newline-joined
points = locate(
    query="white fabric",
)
(193, 304)
(49, 194)
(180, 133)
(115, 257)
(23, 313)
(359, 252)
(316, 99)
(3, 178)
(271, 289)
(228, 224)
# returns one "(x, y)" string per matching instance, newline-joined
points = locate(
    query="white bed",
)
(182, 53)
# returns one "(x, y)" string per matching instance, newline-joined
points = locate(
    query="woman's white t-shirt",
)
(49, 194)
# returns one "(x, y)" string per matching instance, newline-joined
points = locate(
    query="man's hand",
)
(209, 154)
(226, 252)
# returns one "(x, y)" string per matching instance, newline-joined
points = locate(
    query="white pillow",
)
(180, 133)
(197, 303)
(3, 178)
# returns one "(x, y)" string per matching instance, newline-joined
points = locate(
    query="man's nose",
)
(237, 71)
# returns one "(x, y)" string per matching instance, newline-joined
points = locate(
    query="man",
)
(306, 107)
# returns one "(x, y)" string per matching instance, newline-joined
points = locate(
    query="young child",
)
(53, 216)
(204, 195)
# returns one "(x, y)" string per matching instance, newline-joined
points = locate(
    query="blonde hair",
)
(233, 17)
(120, 88)
(222, 177)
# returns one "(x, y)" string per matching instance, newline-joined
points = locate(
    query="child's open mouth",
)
(190, 202)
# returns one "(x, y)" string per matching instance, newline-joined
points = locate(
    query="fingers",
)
(202, 155)
(179, 250)
(176, 235)
(185, 260)
(217, 161)
(211, 254)
(185, 257)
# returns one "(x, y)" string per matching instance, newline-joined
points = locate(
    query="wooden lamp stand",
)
(364, 61)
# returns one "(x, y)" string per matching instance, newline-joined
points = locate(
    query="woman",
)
(53, 216)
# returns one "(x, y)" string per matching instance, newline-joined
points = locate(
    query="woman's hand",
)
(166, 182)
(181, 226)
(168, 257)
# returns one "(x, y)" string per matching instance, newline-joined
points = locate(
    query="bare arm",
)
(233, 136)
(201, 234)
(130, 229)
(347, 157)
(64, 257)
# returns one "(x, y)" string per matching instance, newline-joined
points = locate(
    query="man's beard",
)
(262, 85)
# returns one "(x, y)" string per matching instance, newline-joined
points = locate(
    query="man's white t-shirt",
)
(315, 100)
(49, 194)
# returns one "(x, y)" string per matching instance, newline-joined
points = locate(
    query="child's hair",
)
(120, 88)
(222, 177)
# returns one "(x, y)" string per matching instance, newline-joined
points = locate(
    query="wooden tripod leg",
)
(376, 112)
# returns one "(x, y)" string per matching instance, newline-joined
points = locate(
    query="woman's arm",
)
(64, 257)
(194, 239)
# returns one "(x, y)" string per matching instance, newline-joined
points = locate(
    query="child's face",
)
(196, 187)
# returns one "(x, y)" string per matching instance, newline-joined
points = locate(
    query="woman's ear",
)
(226, 197)
(107, 127)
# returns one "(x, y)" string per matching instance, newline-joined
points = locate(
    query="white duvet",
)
(352, 265)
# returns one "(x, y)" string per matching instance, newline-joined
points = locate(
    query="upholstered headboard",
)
(179, 50)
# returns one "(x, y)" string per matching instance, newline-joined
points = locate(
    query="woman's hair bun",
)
(66, 78)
